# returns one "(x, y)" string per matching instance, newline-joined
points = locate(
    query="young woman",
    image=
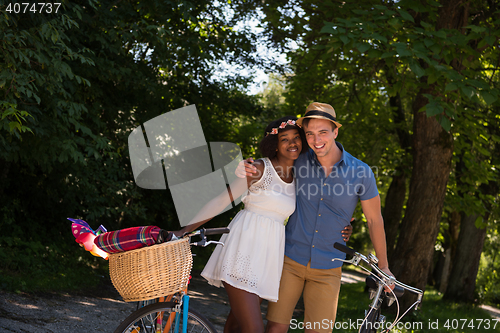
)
(249, 264)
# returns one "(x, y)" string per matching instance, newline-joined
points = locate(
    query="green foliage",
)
(419, 54)
(73, 86)
(272, 96)
(488, 286)
(35, 51)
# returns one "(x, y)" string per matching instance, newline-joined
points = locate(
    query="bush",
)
(31, 266)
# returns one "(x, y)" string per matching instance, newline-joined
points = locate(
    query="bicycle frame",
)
(383, 280)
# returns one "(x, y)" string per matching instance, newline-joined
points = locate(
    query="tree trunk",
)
(445, 274)
(4, 174)
(442, 270)
(454, 231)
(462, 282)
(396, 194)
(470, 243)
(393, 209)
(432, 152)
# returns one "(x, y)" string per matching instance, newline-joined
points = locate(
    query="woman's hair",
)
(269, 143)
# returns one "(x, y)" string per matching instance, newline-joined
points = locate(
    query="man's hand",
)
(387, 271)
(245, 168)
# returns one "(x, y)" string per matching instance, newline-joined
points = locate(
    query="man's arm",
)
(373, 214)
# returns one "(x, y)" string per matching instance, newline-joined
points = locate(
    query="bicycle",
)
(376, 282)
(171, 313)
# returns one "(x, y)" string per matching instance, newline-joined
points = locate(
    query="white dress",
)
(252, 256)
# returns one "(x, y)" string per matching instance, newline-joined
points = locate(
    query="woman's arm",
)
(217, 204)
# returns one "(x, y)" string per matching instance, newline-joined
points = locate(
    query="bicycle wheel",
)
(155, 318)
(372, 323)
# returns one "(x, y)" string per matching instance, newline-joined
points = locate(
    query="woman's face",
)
(289, 144)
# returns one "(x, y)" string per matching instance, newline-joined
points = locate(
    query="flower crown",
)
(282, 125)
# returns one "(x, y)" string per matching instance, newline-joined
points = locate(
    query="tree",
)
(438, 58)
(473, 203)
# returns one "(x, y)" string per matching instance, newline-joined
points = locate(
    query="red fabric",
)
(127, 239)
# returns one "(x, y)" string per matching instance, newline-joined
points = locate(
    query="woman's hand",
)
(178, 233)
(245, 168)
(346, 233)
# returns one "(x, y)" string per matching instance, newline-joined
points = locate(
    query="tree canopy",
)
(414, 83)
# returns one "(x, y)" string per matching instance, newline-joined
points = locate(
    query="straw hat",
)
(320, 111)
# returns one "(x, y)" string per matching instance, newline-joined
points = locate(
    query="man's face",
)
(320, 136)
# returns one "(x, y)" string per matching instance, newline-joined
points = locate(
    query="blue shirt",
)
(324, 207)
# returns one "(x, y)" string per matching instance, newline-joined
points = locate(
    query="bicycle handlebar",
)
(345, 249)
(216, 231)
(357, 257)
(371, 282)
(203, 233)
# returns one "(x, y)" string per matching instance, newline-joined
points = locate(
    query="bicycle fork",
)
(185, 309)
(377, 302)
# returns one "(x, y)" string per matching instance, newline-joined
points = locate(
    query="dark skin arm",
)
(217, 204)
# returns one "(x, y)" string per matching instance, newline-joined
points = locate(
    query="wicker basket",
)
(151, 271)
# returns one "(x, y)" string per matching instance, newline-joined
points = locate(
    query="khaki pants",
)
(320, 289)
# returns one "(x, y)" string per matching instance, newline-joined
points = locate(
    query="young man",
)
(329, 183)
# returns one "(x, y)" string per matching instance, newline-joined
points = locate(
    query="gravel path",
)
(100, 312)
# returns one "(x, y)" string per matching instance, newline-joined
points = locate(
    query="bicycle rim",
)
(155, 318)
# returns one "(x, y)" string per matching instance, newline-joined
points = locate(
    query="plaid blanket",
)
(127, 239)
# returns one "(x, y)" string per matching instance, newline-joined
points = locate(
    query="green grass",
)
(435, 314)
